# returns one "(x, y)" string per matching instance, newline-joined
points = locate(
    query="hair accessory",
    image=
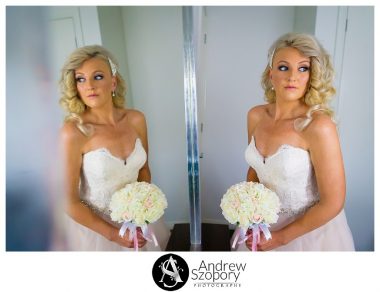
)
(113, 67)
(270, 59)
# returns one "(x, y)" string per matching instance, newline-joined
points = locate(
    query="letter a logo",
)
(170, 272)
(173, 274)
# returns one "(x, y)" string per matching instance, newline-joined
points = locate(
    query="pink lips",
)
(290, 87)
(92, 95)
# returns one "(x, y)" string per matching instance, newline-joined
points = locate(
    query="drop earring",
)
(113, 93)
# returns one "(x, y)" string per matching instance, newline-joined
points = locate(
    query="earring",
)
(113, 94)
(272, 88)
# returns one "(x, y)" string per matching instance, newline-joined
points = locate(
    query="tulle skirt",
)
(81, 238)
(335, 235)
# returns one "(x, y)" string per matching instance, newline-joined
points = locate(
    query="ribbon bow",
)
(240, 233)
(147, 233)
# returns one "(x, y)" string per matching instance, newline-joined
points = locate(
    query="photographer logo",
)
(170, 272)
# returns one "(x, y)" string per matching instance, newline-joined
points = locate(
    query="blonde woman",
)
(294, 149)
(105, 146)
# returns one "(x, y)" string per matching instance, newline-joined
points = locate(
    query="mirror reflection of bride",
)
(105, 147)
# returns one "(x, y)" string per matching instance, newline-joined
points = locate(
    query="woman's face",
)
(290, 74)
(95, 82)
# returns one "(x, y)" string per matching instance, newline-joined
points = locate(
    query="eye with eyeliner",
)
(81, 79)
(303, 68)
(286, 68)
(283, 68)
(98, 77)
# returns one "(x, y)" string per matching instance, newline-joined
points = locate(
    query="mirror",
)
(148, 44)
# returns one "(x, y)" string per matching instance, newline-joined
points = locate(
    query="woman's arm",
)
(72, 142)
(139, 123)
(253, 118)
(326, 157)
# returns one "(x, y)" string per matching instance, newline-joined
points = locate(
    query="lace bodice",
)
(103, 173)
(289, 172)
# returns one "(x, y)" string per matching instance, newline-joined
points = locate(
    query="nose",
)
(292, 75)
(90, 84)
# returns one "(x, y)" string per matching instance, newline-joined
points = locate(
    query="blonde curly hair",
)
(320, 88)
(70, 99)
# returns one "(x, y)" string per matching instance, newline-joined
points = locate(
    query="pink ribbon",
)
(147, 233)
(135, 242)
(240, 233)
(255, 237)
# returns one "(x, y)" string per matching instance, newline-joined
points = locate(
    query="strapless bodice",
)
(103, 173)
(289, 172)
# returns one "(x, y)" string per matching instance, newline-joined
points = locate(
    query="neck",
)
(284, 110)
(106, 115)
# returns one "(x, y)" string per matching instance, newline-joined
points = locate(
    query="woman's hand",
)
(265, 245)
(124, 241)
(277, 240)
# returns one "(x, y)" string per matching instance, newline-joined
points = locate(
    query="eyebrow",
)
(303, 61)
(97, 71)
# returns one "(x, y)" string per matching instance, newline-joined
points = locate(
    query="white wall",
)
(304, 19)
(237, 42)
(356, 123)
(68, 28)
(113, 38)
(154, 46)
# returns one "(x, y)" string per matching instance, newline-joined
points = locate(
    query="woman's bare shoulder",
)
(70, 133)
(256, 113)
(258, 110)
(321, 124)
(322, 127)
(135, 117)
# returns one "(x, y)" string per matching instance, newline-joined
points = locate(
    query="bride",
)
(105, 146)
(294, 149)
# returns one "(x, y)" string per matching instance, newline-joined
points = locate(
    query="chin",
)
(292, 97)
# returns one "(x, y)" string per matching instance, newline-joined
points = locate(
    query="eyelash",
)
(82, 79)
(301, 69)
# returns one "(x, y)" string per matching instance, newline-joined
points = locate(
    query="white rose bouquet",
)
(250, 205)
(137, 205)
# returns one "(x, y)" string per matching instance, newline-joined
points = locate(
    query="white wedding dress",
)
(101, 175)
(290, 173)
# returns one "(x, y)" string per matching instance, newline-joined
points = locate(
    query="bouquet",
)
(250, 205)
(137, 205)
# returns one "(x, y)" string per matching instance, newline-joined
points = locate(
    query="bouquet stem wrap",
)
(240, 233)
(147, 233)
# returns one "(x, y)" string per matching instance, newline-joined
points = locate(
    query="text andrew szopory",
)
(211, 272)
